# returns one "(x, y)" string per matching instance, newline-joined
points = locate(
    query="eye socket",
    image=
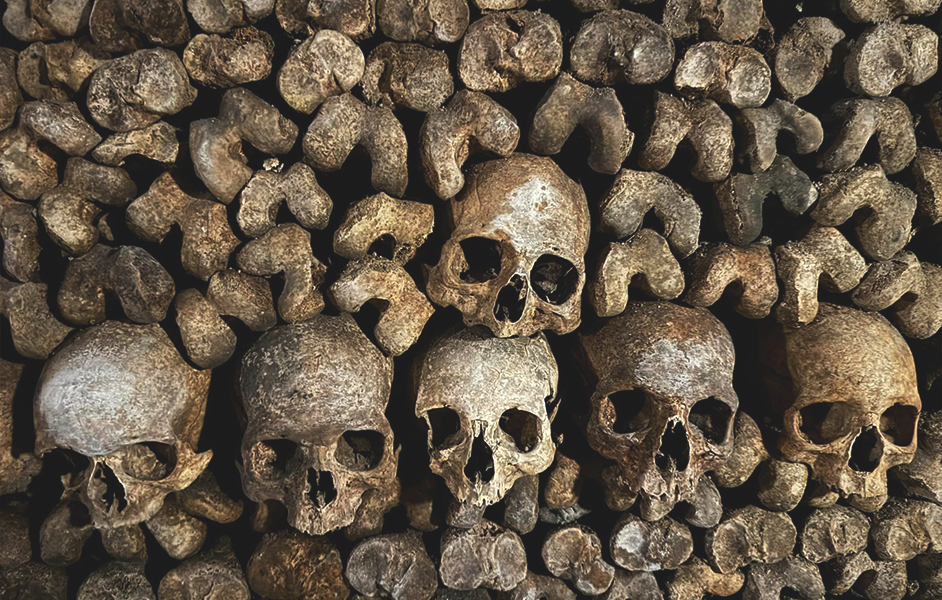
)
(554, 279)
(445, 424)
(898, 424)
(150, 461)
(361, 450)
(524, 427)
(483, 257)
(712, 418)
(824, 422)
(271, 457)
(628, 411)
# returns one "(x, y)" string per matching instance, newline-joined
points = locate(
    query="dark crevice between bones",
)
(511, 300)
(867, 451)
(675, 449)
(114, 491)
(480, 465)
(322, 490)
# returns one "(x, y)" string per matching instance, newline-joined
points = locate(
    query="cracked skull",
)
(663, 401)
(848, 384)
(317, 439)
(488, 403)
(515, 259)
(123, 397)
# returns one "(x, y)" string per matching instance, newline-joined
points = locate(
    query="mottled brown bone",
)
(14, 528)
(36, 20)
(927, 170)
(10, 96)
(177, 532)
(889, 55)
(16, 471)
(574, 553)
(399, 75)
(126, 25)
(63, 534)
(117, 580)
(695, 579)
(904, 529)
(484, 556)
(430, 22)
(213, 575)
(750, 535)
(242, 57)
(380, 219)
(803, 56)
(769, 581)
(727, 20)
(911, 292)
(714, 267)
(156, 142)
(295, 566)
(262, 196)
(872, 579)
(728, 74)
(639, 545)
(392, 566)
(922, 478)
(221, 17)
(761, 127)
(538, 586)
(875, 11)
(859, 120)
(57, 71)
(619, 46)
(833, 532)
(20, 234)
(125, 543)
(35, 581)
(34, 329)
(324, 65)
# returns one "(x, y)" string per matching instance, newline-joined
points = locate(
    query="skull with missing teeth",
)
(663, 402)
(317, 439)
(485, 400)
(847, 383)
(123, 397)
(515, 259)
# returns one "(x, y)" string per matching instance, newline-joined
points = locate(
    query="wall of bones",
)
(487, 300)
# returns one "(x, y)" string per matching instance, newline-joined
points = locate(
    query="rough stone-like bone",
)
(574, 553)
(216, 143)
(695, 579)
(120, 25)
(705, 507)
(205, 499)
(501, 50)
(325, 64)
(220, 17)
(392, 566)
(643, 260)
(20, 233)
(733, 21)
(741, 197)
(748, 453)
(803, 56)
(177, 532)
(872, 579)
(927, 170)
(56, 71)
(208, 340)
(716, 266)
(922, 478)
(904, 529)
(296, 566)
(833, 532)
(26, 172)
(795, 574)
(736, 75)
(157, 142)
(15, 471)
(10, 96)
(225, 62)
(822, 256)
(38, 20)
(430, 22)
(639, 545)
(890, 55)
(890, 208)
(343, 123)
(207, 237)
(140, 283)
(700, 124)
(399, 75)
(522, 505)
(750, 535)
(538, 586)
(569, 104)
(929, 569)
(262, 196)
(761, 127)
(34, 581)
(486, 556)
(912, 291)
(136, 90)
(859, 120)
(213, 575)
(287, 249)
(14, 531)
(875, 11)
(34, 329)
(631, 585)
(125, 543)
(470, 123)
(401, 224)
(302, 18)
(117, 580)
(63, 534)
(404, 310)
(619, 46)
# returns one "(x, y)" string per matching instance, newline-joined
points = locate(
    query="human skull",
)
(122, 396)
(317, 438)
(663, 402)
(849, 383)
(485, 402)
(515, 259)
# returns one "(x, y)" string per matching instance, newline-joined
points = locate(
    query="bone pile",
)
(487, 300)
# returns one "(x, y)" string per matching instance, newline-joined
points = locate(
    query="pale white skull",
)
(316, 437)
(122, 396)
(515, 260)
(485, 402)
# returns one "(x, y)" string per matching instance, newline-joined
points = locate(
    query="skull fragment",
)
(515, 260)
(317, 439)
(123, 397)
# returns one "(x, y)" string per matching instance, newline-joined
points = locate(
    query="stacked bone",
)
(505, 366)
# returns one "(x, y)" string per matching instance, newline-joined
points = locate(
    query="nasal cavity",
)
(674, 453)
(113, 493)
(480, 465)
(511, 300)
(867, 451)
(322, 491)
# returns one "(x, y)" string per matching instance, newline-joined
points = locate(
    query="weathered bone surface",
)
(603, 50)
(407, 76)
(221, 17)
(927, 170)
(383, 225)
(16, 471)
(126, 577)
(180, 534)
(873, 579)
(904, 529)
(761, 127)
(430, 22)
(728, 20)
(290, 564)
(769, 581)
(749, 535)
(834, 532)
(14, 533)
(876, 11)
(34, 330)
(886, 119)
(262, 196)
(54, 71)
(538, 586)
(639, 545)
(485, 556)
(910, 292)
(750, 270)
(20, 234)
(224, 62)
(922, 477)
(726, 73)
(10, 95)
(912, 50)
(803, 56)
(125, 26)
(157, 142)
(695, 579)
(33, 20)
(393, 566)
(213, 575)
(324, 65)
(63, 534)
(574, 553)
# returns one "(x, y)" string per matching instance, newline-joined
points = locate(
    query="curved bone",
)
(748, 453)
(922, 478)
(263, 194)
(63, 534)
(875, 11)
(225, 62)
(904, 529)
(484, 556)
(834, 532)
(156, 142)
(729, 74)
(10, 96)
(539, 586)
(890, 55)
(910, 289)
(20, 234)
(326, 64)
(762, 126)
(381, 218)
(639, 545)
(212, 575)
(180, 534)
(700, 123)
(750, 535)
(342, 123)
(34, 329)
(873, 579)
(34, 20)
(741, 197)
(645, 256)
(57, 71)
(803, 55)
(750, 269)
(16, 471)
(768, 581)
(125, 543)
(822, 254)
(891, 207)
(728, 20)
(606, 49)
(887, 119)
(221, 17)
(430, 22)
(927, 170)
(574, 553)
(394, 566)
(124, 25)
(407, 76)
(695, 579)
(471, 122)
(569, 104)
(404, 310)
(290, 564)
